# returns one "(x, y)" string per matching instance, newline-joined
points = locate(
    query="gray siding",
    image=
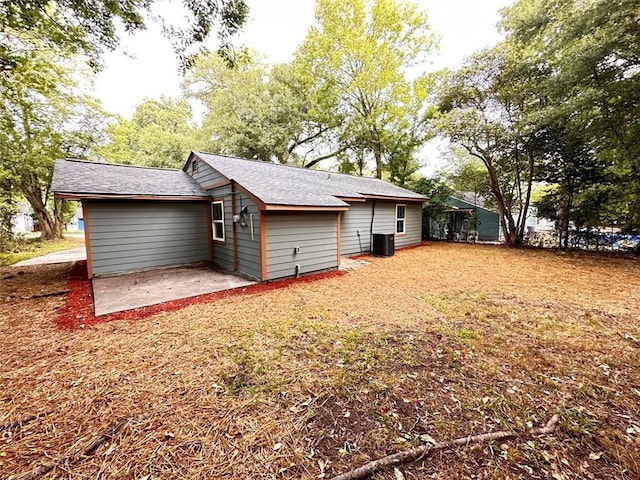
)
(355, 229)
(223, 252)
(385, 222)
(129, 236)
(314, 233)
(358, 218)
(248, 246)
(413, 226)
(206, 175)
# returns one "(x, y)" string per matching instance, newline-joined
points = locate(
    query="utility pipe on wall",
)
(373, 214)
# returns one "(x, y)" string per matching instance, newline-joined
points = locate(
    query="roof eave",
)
(395, 198)
(306, 208)
(112, 196)
(351, 199)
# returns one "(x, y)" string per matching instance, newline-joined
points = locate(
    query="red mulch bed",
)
(78, 310)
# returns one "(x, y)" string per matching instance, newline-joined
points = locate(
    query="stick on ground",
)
(89, 449)
(24, 420)
(422, 451)
(45, 295)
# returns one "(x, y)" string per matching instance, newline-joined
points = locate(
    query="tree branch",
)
(297, 143)
(423, 451)
(324, 157)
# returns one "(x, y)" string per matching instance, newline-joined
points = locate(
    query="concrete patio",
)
(141, 289)
(134, 290)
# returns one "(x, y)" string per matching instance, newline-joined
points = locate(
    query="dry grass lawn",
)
(310, 380)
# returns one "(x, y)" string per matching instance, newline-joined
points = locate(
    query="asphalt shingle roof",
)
(76, 177)
(276, 184)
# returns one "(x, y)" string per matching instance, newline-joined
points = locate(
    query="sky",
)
(145, 65)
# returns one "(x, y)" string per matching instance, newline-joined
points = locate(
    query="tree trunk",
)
(565, 219)
(50, 225)
(506, 220)
(522, 226)
(378, 156)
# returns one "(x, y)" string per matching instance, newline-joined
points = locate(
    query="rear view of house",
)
(263, 220)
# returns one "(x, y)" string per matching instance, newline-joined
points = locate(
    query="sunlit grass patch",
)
(34, 247)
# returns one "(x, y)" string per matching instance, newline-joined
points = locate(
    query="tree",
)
(590, 51)
(438, 193)
(90, 26)
(356, 63)
(484, 108)
(159, 134)
(436, 190)
(566, 161)
(8, 209)
(256, 111)
(470, 175)
(43, 117)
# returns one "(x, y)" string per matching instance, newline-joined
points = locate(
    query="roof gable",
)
(276, 184)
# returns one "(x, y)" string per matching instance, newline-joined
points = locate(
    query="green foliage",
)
(355, 62)
(159, 134)
(470, 175)
(346, 96)
(557, 102)
(20, 248)
(437, 191)
(468, 337)
(90, 26)
(43, 116)
(7, 211)
(589, 94)
(482, 112)
(255, 111)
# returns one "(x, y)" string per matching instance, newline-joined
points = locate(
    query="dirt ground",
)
(307, 381)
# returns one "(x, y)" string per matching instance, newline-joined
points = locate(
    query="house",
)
(22, 220)
(466, 218)
(263, 220)
(77, 222)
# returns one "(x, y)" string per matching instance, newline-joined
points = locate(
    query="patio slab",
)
(348, 263)
(141, 289)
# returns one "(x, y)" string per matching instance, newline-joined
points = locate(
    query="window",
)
(194, 166)
(401, 217)
(217, 219)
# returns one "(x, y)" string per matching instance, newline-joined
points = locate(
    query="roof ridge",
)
(294, 166)
(78, 160)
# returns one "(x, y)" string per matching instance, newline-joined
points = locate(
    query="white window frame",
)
(214, 221)
(403, 219)
(194, 166)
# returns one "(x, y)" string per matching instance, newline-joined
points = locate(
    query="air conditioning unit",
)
(383, 244)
